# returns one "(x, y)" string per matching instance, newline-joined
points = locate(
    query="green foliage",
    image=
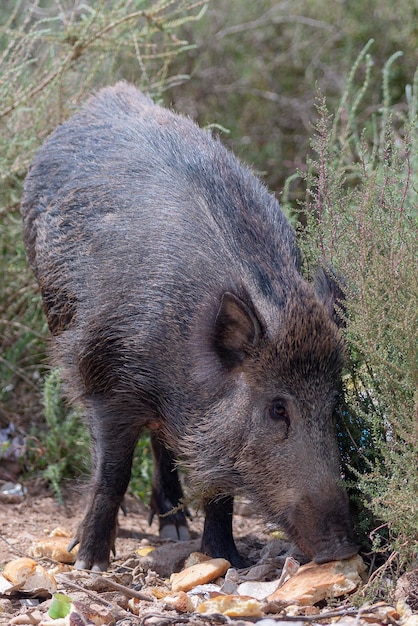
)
(361, 215)
(61, 449)
(141, 478)
(257, 66)
(60, 606)
(22, 327)
(45, 52)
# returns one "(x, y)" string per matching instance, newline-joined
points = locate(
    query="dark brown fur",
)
(171, 282)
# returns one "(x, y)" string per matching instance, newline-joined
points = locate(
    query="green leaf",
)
(60, 606)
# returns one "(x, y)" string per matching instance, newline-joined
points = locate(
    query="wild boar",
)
(172, 286)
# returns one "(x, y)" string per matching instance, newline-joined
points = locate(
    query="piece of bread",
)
(232, 606)
(181, 602)
(198, 574)
(54, 548)
(313, 582)
(29, 575)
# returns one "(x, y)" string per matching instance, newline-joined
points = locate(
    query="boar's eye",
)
(278, 412)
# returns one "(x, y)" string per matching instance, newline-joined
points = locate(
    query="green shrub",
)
(361, 215)
(60, 449)
(257, 65)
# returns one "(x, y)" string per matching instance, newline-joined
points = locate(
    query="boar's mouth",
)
(330, 548)
(344, 551)
(323, 537)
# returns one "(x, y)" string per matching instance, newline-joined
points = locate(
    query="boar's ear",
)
(330, 289)
(236, 329)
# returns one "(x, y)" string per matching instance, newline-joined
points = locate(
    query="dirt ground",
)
(26, 519)
(23, 520)
(34, 515)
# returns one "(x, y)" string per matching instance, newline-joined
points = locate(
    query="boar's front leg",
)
(167, 493)
(217, 540)
(113, 445)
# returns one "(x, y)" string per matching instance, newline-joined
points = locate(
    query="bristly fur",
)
(171, 282)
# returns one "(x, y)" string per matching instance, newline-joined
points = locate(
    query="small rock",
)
(198, 574)
(263, 571)
(230, 584)
(169, 557)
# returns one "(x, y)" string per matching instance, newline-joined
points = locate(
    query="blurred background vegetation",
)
(320, 97)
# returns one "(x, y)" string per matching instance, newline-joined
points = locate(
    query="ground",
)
(25, 519)
(29, 517)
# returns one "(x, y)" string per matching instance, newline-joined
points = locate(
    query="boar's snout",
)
(345, 550)
(323, 527)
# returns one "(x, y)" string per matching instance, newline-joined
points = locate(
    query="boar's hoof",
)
(96, 567)
(95, 559)
(174, 532)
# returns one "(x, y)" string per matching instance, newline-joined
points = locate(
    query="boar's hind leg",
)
(113, 446)
(217, 540)
(167, 494)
